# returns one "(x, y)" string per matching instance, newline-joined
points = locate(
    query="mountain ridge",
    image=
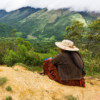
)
(41, 23)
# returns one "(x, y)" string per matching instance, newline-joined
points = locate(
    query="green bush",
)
(9, 98)
(70, 97)
(21, 52)
(4, 46)
(8, 88)
(20, 64)
(15, 56)
(3, 80)
(10, 58)
(39, 69)
(33, 58)
(91, 62)
(22, 42)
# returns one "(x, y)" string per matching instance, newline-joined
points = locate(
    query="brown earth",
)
(27, 85)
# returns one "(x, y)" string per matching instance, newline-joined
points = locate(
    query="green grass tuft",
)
(39, 69)
(8, 88)
(70, 97)
(3, 80)
(20, 64)
(9, 98)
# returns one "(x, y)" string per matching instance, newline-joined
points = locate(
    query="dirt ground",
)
(27, 85)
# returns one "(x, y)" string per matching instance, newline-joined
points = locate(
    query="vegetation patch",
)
(8, 88)
(70, 97)
(9, 98)
(39, 69)
(20, 64)
(3, 80)
(33, 52)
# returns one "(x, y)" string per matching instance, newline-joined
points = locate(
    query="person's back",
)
(69, 65)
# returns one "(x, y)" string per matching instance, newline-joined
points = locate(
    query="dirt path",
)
(27, 85)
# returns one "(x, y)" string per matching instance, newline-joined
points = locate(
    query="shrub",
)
(4, 45)
(8, 88)
(33, 58)
(91, 62)
(10, 58)
(9, 98)
(18, 56)
(21, 50)
(22, 42)
(3, 80)
(70, 97)
(39, 69)
(20, 64)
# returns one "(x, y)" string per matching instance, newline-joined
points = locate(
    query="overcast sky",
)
(77, 5)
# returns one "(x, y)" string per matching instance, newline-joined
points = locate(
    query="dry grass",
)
(29, 85)
(3, 80)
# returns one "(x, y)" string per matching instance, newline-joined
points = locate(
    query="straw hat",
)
(66, 45)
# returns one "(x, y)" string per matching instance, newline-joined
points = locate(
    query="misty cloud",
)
(76, 5)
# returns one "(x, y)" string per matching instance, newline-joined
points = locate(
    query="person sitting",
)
(67, 67)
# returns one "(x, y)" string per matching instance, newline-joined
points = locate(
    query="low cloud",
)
(76, 5)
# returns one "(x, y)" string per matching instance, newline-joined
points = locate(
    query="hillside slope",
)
(14, 17)
(28, 85)
(44, 24)
(2, 13)
(5, 30)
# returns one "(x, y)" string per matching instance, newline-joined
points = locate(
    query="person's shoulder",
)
(64, 53)
(61, 53)
(58, 55)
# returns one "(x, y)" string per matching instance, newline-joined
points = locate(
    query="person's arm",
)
(56, 60)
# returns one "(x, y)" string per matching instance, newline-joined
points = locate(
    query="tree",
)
(75, 31)
(13, 32)
(93, 36)
(95, 26)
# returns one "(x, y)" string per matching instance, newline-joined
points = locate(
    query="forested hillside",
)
(5, 30)
(43, 24)
(2, 13)
(14, 17)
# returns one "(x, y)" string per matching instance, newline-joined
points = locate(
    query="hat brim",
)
(59, 45)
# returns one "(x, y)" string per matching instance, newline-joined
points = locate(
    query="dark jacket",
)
(69, 65)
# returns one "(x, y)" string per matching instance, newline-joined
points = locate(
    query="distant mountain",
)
(44, 24)
(14, 17)
(2, 13)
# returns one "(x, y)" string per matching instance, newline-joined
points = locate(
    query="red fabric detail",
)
(51, 71)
